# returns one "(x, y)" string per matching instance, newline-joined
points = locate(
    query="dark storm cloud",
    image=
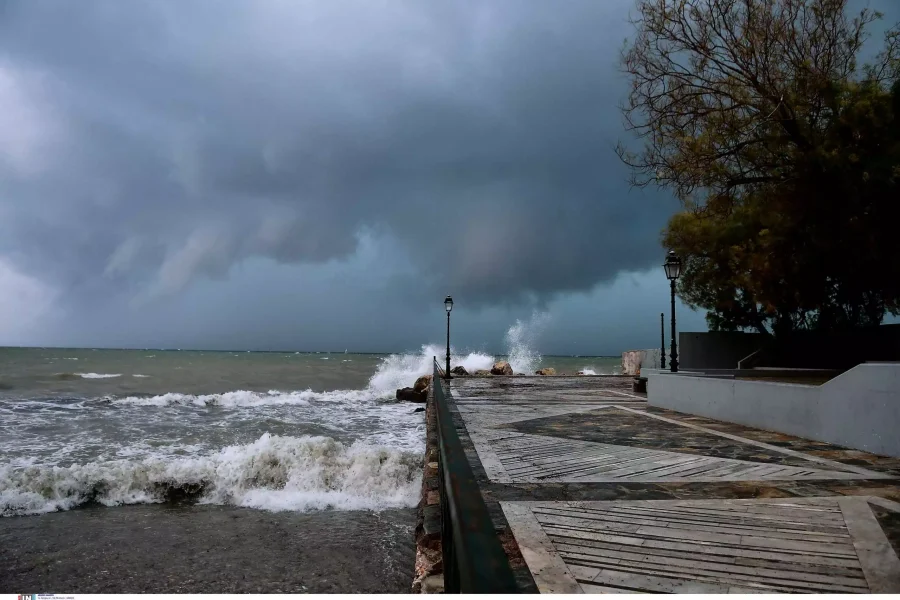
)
(162, 142)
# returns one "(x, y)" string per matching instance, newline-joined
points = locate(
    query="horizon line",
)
(245, 350)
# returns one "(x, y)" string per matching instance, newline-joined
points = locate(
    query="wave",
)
(402, 370)
(98, 375)
(587, 371)
(273, 473)
(244, 398)
(521, 340)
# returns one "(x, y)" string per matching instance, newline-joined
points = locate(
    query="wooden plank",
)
(784, 562)
(726, 580)
(811, 547)
(547, 568)
(771, 517)
(592, 588)
(798, 557)
(649, 583)
(876, 556)
(585, 524)
(700, 536)
(745, 526)
(692, 565)
(868, 474)
(706, 526)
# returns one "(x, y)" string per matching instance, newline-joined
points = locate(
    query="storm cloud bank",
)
(146, 144)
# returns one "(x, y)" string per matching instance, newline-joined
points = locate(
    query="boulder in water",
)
(546, 371)
(459, 370)
(408, 394)
(482, 373)
(501, 367)
(422, 383)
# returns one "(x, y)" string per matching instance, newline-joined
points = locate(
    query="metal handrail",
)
(474, 560)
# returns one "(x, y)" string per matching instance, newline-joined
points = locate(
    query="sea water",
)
(286, 433)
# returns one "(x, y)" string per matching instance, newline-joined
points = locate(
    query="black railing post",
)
(673, 359)
(662, 340)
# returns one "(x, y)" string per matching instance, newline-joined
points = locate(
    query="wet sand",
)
(207, 549)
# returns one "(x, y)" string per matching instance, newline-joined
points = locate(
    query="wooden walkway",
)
(603, 494)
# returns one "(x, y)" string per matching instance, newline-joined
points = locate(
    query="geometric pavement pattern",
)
(513, 457)
(533, 459)
(777, 545)
(817, 545)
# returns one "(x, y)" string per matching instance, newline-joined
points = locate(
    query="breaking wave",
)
(98, 375)
(243, 398)
(401, 370)
(521, 341)
(273, 473)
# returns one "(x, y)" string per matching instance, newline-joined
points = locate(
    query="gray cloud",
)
(162, 143)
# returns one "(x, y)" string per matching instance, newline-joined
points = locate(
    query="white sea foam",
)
(140, 376)
(521, 341)
(401, 370)
(272, 473)
(98, 375)
(232, 399)
(587, 371)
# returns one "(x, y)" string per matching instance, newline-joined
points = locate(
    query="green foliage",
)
(785, 155)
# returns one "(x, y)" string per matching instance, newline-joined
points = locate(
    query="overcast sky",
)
(291, 174)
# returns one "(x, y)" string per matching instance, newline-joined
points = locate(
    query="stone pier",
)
(593, 491)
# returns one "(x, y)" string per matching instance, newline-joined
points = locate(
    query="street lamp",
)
(672, 267)
(448, 305)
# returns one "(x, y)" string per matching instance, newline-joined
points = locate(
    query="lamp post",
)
(672, 267)
(662, 340)
(448, 305)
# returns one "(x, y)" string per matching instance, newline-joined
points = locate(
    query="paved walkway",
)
(604, 494)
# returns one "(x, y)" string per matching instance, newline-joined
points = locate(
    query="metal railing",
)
(474, 560)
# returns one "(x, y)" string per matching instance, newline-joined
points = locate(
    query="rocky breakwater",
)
(429, 568)
(501, 367)
(418, 393)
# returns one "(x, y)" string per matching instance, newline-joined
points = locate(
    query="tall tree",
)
(783, 151)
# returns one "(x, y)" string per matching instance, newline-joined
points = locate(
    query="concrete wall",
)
(859, 409)
(632, 360)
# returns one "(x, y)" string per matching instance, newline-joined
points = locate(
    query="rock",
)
(420, 409)
(501, 367)
(580, 373)
(433, 584)
(546, 371)
(410, 395)
(422, 383)
(482, 373)
(459, 370)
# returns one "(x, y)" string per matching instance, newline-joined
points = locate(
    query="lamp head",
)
(672, 266)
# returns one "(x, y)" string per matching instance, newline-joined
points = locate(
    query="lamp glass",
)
(448, 303)
(672, 266)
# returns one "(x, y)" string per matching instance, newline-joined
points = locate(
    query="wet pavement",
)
(603, 493)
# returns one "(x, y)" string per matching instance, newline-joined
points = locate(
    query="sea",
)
(218, 471)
